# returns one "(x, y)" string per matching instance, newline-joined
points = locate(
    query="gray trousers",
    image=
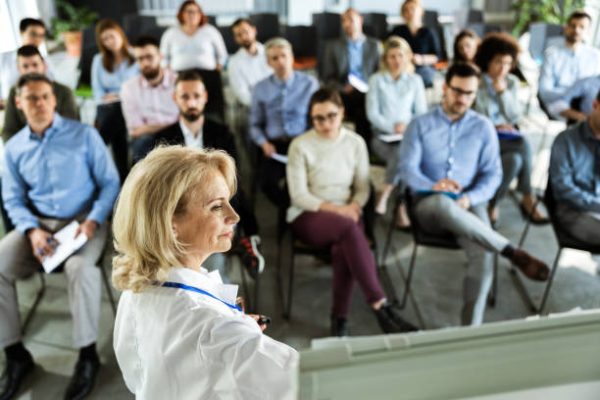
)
(582, 225)
(439, 214)
(84, 283)
(388, 152)
(516, 163)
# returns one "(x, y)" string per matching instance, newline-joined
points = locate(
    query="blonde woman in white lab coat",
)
(178, 334)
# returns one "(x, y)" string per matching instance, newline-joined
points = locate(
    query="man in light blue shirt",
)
(56, 171)
(278, 114)
(584, 89)
(450, 159)
(575, 177)
(572, 60)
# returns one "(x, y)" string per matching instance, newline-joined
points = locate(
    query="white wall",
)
(11, 12)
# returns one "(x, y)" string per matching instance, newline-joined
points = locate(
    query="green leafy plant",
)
(550, 11)
(72, 18)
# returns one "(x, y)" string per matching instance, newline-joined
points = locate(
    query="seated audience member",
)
(32, 32)
(497, 99)
(570, 61)
(194, 44)
(574, 176)
(195, 130)
(30, 60)
(81, 184)
(465, 46)
(147, 99)
(328, 181)
(278, 114)
(450, 159)
(396, 95)
(248, 65)
(110, 68)
(178, 332)
(422, 40)
(585, 90)
(353, 57)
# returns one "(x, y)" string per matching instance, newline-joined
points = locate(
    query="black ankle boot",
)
(390, 320)
(339, 326)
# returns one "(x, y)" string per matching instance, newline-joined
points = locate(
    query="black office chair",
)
(42, 290)
(267, 26)
(422, 238)
(375, 25)
(303, 39)
(230, 43)
(565, 240)
(215, 106)
(135, 25)
(88, 50)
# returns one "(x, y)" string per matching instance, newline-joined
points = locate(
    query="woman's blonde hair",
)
(396, 42)
(157, 189)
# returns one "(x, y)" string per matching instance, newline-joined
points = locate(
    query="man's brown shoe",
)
(532, 267)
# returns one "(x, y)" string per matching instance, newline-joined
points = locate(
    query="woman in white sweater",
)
(328, 181)
(194, 44)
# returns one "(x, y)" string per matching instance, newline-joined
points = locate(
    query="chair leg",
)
(109, 292)
(494, 293)
(288, 309)
(550, 280)
(36, 303)
(256, 293)
(279, 271)
(411, 268)
(388, 242)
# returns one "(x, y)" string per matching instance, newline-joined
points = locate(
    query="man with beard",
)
(194, 129)
(450, 159)
(249, 64)
(569, 61)
(147, 100)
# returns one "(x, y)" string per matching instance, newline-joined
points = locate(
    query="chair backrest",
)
(230, 43)
(430, 20)
(267, 26)
(375, 25)
(215, 106)
(303, 39)
(539, 33)
(88, 50)
(136, 25)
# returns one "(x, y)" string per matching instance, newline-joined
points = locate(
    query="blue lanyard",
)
(197, 290)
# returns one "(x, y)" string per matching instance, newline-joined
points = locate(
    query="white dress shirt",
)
(191, 140)
(174, 343)
(245, 70)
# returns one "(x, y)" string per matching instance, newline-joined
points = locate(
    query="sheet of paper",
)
(358, 83)
(68, 244)
(390, 138)
(279, 157)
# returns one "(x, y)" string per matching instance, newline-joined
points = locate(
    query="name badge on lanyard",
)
(176, 285)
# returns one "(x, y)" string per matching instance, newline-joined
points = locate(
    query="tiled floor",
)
(434, 303)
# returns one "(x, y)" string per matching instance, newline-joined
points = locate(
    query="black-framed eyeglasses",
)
(319, 119)
(461, 92)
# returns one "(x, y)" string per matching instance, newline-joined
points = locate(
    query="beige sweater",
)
(326, 170)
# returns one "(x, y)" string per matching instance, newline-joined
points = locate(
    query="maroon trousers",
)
(351, 256)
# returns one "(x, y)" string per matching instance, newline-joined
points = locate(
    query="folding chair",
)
(422, 238)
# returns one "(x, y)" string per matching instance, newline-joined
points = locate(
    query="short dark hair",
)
(146, 40)
(323, 95)
(494, 44)
(29, 51)
(579, 14)
(27, 22)
(32, 77)
(188, 76)
(462, 70)
(240, 21)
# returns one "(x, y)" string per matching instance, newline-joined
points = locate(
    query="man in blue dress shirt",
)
(450, 159)
(56, 170)
(278, 114)
(575, 177)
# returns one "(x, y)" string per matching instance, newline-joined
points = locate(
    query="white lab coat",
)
(173, 343)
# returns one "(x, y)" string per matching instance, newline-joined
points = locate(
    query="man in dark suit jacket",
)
(353, 54)
(193, 129)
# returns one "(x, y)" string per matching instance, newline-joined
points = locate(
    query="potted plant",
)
(549, 11)
(71, 22)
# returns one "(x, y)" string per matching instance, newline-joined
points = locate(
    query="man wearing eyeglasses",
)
(450, 159)
(56, 170)
(147, 99)
(33, 32)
